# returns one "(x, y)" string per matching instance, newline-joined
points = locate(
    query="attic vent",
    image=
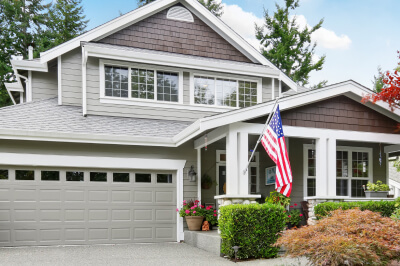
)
(180, 13)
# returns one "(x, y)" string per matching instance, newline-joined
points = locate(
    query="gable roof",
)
(150, 9)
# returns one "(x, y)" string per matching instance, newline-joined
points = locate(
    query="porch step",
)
(206, 240)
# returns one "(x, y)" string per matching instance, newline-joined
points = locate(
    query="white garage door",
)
(74, 206)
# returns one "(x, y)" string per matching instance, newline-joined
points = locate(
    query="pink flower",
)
(301, 214)
(192, 208)
(295, 204)
(196, 201)
(177, 209)
(201, 206)
(195, 206)
(187, 211)
(289, 216)
(184, 204)
(194, 212)
(208, 208)
(184, 201)
(291, 206)
(215, 210)
(215, 214)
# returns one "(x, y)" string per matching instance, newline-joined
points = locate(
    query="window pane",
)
(3, 174)
(167, 86)
(342, 187)
(222, 157)
(341, 164)
(25, 175)
(357, 189)
(247, 93)
(360, 164)
(143, 178)
(116, 81)
(226, 92)
(204, 90)
(74, 176)
(98, 177)
(164, 178)
(311, 187)
(50, 175)
(121, 177)
(142, 82)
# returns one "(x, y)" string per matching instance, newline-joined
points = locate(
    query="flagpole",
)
(262, 132)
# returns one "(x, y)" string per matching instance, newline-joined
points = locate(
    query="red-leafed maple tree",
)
(390, 92)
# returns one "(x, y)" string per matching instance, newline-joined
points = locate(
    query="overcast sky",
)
(356, 36)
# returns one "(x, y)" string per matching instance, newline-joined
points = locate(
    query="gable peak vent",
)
(180, 13)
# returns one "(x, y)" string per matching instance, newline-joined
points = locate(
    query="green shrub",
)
(396, 215)
(385, 208)
(253, 227)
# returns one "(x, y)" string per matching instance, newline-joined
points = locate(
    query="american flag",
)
(273, 141)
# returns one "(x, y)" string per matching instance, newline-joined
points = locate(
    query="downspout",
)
(84, 65)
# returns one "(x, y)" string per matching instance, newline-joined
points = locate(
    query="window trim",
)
(306, 147)
(229, 77)
(103, 63)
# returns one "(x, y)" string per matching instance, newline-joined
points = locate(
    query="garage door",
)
(86, 206)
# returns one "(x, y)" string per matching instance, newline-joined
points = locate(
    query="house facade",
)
(108, 129)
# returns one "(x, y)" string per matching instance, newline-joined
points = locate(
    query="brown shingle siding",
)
(159, 33)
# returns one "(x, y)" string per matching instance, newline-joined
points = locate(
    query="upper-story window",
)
(141, 83)
(224, 92)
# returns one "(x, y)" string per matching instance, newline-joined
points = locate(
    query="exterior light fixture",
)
(192, 174)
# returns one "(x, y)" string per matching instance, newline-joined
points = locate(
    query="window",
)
(253, 179)
(350, 180)
(120, 177)
(24, 175)
(143, 178)
(224, 92)
(98, 177)
(310, 171)
(164, 178)
(116, 81)
(50, 176)
(3, 174)
(167, 87)
(75, 176)
(141, 83)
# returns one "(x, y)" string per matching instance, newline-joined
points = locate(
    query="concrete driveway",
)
(133, 254)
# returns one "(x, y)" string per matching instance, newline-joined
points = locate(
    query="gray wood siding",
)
(44, 84)
(184, 152)
(266, 89)
(71, 77)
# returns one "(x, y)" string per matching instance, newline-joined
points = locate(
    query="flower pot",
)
(376, 194)
(194, 222)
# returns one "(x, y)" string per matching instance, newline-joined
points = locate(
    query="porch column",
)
(232, 182)
(243, 151)
(321, 167)
(331, 150)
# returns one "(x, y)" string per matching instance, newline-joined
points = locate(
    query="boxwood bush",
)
(253, 227)
(385, 208)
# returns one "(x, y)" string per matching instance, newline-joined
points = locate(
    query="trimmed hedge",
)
(253, 227)
(385, 208)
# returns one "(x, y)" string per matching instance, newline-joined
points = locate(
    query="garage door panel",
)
(56, 213)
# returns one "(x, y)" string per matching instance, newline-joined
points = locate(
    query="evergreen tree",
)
(66, 21)
(144, 2)
(21, 24)
(287, 46)
(378, 81)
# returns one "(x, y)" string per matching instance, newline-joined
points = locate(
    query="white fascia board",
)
(14, 86)
(288, 81)
(107, 28)
(150, 57)
(392, 148)
(85, 138)
(50, 160)
(29, 65)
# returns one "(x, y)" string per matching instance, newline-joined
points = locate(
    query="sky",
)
(357, 36)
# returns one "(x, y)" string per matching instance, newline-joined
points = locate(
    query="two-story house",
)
(110, 131)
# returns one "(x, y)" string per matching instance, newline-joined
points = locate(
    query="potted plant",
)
(294, 218)
(211, 216)
(193, 213)
(376, 190)
(277, 198)
(206, 181)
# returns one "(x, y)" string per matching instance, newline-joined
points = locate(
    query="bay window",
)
(224, 91)
(140, 83)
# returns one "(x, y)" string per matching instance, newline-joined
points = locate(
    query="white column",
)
(199, 174)
(243, 155)
(232, 184)
(321, 167)
(331, 150)
(59, 77)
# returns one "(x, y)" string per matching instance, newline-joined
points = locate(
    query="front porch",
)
(326, 164)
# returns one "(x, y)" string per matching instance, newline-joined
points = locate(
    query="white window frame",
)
(230, 77)
(350, 177)
(306, 147)
(150, 102)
